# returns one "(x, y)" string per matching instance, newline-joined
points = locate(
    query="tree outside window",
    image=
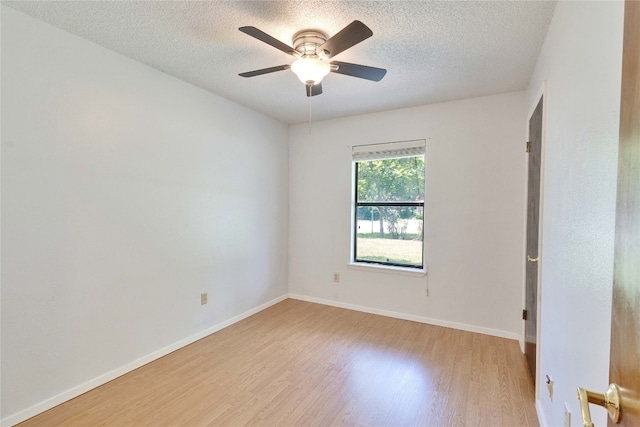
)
(389, 211)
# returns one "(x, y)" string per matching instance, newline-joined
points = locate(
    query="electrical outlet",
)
(203, 298)
(336, 277)
(549, 383)
(567, 415)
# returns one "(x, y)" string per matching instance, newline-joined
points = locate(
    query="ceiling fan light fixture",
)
(310, 70)
(313, 51)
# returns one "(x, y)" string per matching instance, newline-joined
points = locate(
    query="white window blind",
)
(388, 150)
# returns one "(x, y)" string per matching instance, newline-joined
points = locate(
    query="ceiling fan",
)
(313, 50)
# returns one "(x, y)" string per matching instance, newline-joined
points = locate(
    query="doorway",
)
(622, 397)
(534, 149)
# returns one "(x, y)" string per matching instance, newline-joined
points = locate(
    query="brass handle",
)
(610, 400)
(531, 259)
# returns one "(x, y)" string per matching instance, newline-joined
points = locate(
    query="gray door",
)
(533, 211)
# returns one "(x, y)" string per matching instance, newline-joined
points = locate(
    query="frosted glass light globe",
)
(310, 70)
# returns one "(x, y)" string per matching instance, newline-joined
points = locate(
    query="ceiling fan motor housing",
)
(306, 42)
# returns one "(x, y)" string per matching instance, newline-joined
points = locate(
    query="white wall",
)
(581, 59)
(126, 193)
(474, 209)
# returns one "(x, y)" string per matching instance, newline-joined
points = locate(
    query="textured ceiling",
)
(434, 51)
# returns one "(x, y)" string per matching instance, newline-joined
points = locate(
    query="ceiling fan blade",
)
(264, 71)
(360, 71)
(313, 90)
(264, 37)
(349, 36)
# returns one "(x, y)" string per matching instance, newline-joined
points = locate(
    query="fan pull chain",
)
(310, 98)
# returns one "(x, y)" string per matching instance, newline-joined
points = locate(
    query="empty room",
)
(297, 213)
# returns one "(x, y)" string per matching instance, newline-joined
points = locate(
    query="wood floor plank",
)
(304, 364)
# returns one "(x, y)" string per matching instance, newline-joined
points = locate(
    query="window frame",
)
(390, 266)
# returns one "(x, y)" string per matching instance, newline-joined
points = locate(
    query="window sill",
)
(411, 272)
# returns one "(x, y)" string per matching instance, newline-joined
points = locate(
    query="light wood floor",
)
(303, 364)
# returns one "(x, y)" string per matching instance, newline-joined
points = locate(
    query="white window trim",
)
(389, 269)
(381, 151)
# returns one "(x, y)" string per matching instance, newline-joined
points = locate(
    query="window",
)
(388, 209)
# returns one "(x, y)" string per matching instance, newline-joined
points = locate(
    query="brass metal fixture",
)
(610, 400)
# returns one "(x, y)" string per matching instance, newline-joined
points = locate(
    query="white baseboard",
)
(403, 316)
(102, 379)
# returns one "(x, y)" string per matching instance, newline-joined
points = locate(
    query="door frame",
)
(541, 93)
